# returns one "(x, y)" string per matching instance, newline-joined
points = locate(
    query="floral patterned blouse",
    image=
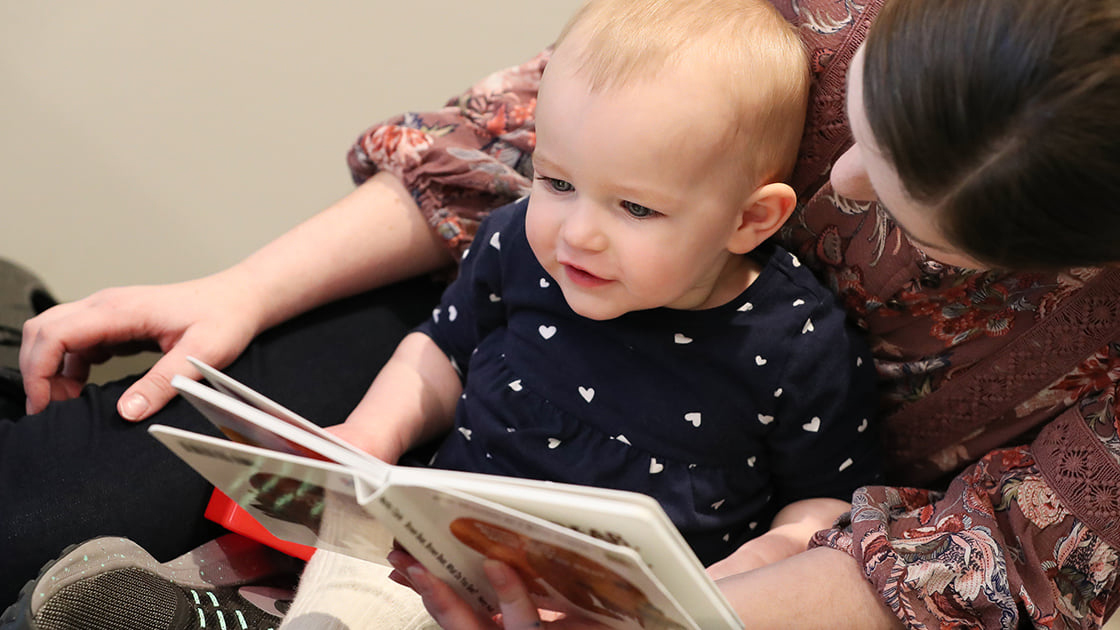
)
(998, 389)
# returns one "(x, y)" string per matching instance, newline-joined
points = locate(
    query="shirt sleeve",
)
(463, 160)
(999, 548)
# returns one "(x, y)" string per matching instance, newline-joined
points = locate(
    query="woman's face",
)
(863, 174)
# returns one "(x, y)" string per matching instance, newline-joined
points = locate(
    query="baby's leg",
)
(340, 592)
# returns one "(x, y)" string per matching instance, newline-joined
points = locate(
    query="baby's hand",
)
(353, 433)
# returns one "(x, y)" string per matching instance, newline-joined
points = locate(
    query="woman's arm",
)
(821, 588)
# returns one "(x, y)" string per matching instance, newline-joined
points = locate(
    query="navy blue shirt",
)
(724, 415)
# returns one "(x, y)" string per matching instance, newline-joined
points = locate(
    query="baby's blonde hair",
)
(746, 46)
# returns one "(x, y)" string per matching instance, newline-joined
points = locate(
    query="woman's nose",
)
(849, 176)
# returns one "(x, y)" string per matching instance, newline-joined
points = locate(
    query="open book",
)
(609, 555)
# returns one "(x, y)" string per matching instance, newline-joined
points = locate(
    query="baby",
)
(628, 325)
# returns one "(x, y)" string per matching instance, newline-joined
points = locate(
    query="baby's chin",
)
(591, 308)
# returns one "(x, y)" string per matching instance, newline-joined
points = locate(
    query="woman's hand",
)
(372, 237)
(450, 611)
(212, 318)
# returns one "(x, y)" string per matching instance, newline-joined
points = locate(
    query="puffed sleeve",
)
(463, 160)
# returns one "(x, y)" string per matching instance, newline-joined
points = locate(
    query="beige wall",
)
(155, 141)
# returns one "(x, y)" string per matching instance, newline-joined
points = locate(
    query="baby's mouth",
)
(582, 277)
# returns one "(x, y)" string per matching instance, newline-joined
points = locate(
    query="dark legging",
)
(77, 470)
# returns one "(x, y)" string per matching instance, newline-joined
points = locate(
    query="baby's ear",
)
(764, 213)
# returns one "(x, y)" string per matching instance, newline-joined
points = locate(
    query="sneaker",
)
(113, 584)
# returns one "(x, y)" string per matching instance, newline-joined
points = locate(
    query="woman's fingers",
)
(447, 608)
(518, 610)
(151, 392)
(189, 319)
(51, 361)
(452, 612)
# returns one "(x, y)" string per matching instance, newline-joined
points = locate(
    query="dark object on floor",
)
(22, 296)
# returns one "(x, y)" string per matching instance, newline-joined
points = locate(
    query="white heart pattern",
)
(759, 360)
(495, 298)
(718, 504)
(515, 385)
(765, 419)
(466, 432)
(859, 361)
(798, 302)
(587, 392)
(847, 462)
(693, 417)
(622, 438)
(862, 426)
(546, 331)
(435, 315)
(813, 425)
(808, 327)
(778, 393)
(553, 442)
(751, 461)
(793, 259)
(496, 240)
(655, 466)
(452, 313)
(680, 339)
(747, 306)
(544, 283)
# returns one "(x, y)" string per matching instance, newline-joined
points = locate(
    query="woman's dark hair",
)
(1004, 116)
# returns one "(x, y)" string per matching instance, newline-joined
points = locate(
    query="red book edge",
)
(226, 512)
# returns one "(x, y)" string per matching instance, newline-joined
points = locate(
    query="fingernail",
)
(396, 557)
(419, 579)
(496, 573)
(134, 407)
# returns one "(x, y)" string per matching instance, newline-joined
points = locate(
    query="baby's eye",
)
(557, 185)
(637, 210)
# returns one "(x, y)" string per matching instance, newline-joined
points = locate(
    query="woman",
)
(970, 361)
(986, 187)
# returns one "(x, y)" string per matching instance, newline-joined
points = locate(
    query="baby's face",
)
(632, 206)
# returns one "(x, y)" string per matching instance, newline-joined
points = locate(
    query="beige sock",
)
(341, 592)
(338, 592)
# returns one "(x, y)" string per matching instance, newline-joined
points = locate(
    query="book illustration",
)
(550, 569)
(565, 571)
